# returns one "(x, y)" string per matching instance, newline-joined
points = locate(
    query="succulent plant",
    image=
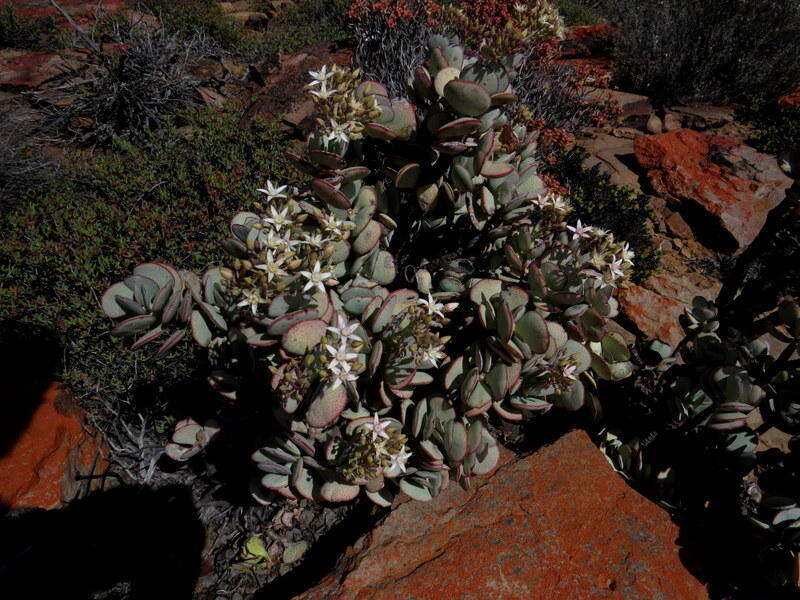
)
(305, 293)
(499, 29)
(544, 320)
(352, 337)
(723, 393)
(256, 555)
(449, 153)
(189, 439)
(158, 300)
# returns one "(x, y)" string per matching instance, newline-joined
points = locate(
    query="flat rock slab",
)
(609, 152)
(21, 69)
(732, 185)
(703, 116)
(630, 105)
(556, 525)
(656, 305)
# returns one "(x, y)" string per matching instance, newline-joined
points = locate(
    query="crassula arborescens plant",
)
(306, 294)
(724, 398)
(424, 230)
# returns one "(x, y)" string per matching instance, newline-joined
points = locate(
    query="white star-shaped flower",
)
(316, 278)
(273, 191)
(378, 427)
(560, 205)
(398, 461)
(338, 132)
(272, 266)
(341, 372)
(539, 201)
(331, 224)
(432, 355)
(314, 239)
(277, 219)
(343, 330)
(340, 355)
(271, 240)
(568, 372)
(252, 298)
(599, 233)
(432, 306)
(323, 93)
(615, 268)
(580, 231)
(321, 76)
(626, 254)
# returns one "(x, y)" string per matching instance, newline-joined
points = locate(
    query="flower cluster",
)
(286, 249)
(342, 112)
(498, 28)
(376, 449)
(603, 258)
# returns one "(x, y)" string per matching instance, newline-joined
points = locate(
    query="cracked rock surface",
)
(557, 524)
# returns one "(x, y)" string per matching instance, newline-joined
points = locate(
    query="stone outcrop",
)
(558, 524)
(630, 105)
(728, 185)
(612, 152)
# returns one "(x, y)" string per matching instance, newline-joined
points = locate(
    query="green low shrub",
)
(190, 17)
(618, 209)
(307, 22)
(20, 31)
(578, 12)
(777, 127)
(293, 27)
(21, 162)
(65, 240)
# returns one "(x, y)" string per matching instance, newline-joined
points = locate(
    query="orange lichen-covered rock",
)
(654, 315)
(556, 525)
(732, 183)
(43, 445)
(21, 69)
(791, 99)
(583, 33)
(656, 305)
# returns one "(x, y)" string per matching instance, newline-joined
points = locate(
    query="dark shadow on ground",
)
(151, 539)
(768, 269)
(31, 357)
(324, 553)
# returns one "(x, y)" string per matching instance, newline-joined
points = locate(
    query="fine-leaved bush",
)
(140, 80)
(722, 51)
